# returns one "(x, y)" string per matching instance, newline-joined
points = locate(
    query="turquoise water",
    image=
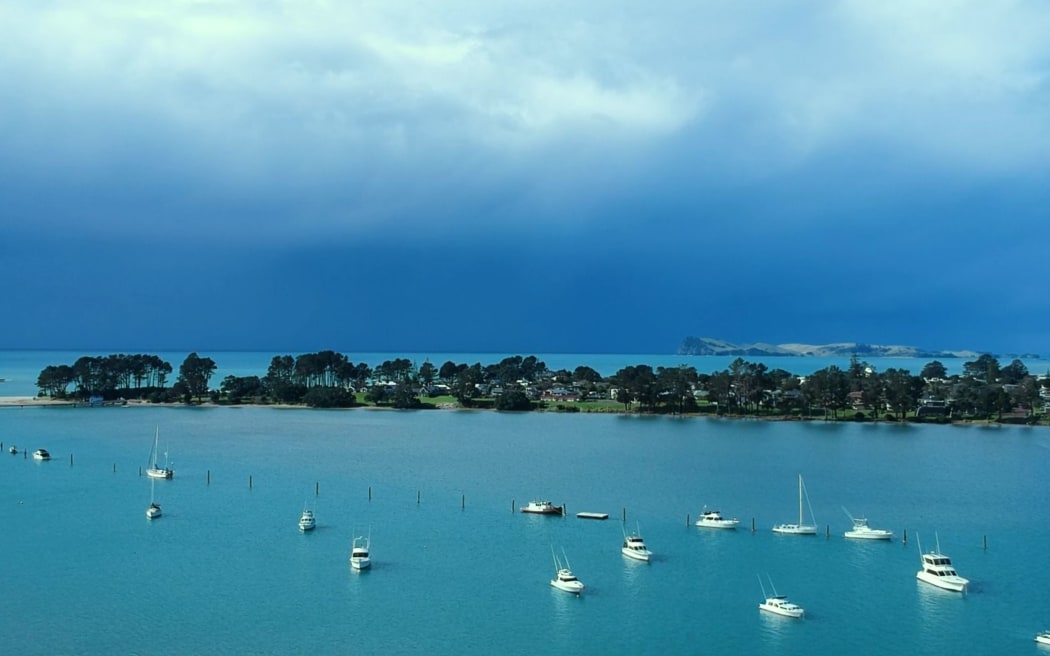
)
(225, 570)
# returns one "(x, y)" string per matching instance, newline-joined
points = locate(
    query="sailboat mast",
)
(800, 499)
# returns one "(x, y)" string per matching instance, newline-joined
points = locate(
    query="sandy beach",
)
(31, 400)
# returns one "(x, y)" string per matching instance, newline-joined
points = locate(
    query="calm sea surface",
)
(225, 570)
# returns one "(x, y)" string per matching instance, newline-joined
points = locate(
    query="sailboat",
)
(800, 528)
(153, 512)
(154, 470)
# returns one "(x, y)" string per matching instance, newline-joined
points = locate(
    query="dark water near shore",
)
(226, 570)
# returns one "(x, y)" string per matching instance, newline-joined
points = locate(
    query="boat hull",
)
(950, 583)
(153, 512)
(543, 510)
(718, 523)
(360, 563)
(793, 613)
(870, 534)
(160, 473)
(306, 526)
(572, 587)
(1043, 638)
(636, 555)
(795, 529)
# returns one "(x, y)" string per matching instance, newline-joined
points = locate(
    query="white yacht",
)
(359, 552)
(714, 519)
(1043, 638)
(861, 531)
(155, 470)
(13, 450)
(543, 508)
(800, 528)
(41, 454)
(634, 547)
(778, 603)
(937, 569)
(306, 520)
(564, 579)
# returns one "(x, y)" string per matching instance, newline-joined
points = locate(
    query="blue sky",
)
(523, 176)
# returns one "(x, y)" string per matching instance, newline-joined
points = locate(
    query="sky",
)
(523, 177)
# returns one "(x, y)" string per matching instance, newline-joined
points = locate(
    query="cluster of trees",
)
(330, 379)
(127, 376)
(983, 389)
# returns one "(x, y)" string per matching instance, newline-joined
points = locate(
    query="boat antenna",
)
(557, 565)
(918, 542)
(847, 513)
(937, 538)
(771, 585)
(762, 585)
(567, 565)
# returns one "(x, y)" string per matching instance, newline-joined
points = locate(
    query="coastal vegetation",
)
(986, 390)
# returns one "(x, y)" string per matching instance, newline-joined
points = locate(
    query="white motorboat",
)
(801, 528)
(360, 557)
(564, 579)
(634, 547)
(543, 508)
(937, 570)
(714, 519)
(306, 520)
(154, 470)
(13, 450)
(41, 454)
(861, 530)
(1043, 638)
(778, 604)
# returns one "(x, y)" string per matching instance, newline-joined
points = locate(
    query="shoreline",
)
(44, 402)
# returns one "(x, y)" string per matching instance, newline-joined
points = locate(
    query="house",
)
(560, 394)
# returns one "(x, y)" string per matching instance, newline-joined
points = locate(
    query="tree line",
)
(984, 389)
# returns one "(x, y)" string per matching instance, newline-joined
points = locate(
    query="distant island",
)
(713, 346)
